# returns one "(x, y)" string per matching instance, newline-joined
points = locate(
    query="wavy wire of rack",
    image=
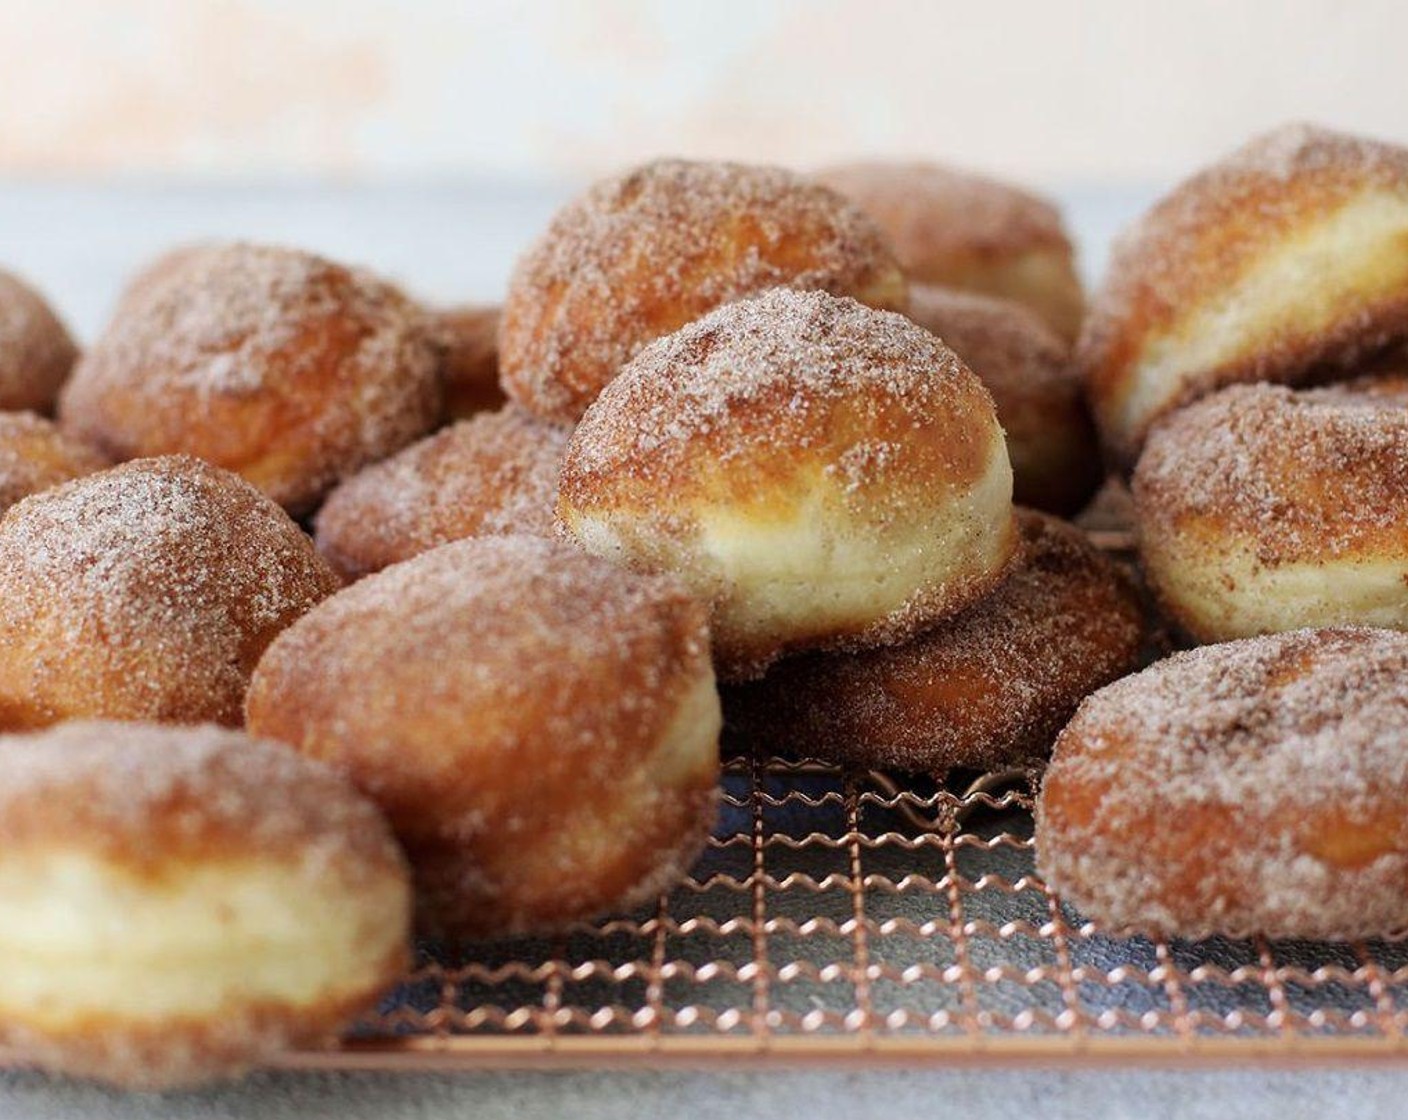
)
(836, 916)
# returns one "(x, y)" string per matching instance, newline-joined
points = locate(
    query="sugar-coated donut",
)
(1262, 508)
(180, 904)
(540, 727)
(36, 351)
(642, 254)
(1284, 262)
(1040, 400)
(147, 591)
(1258, 786)
(961, 230)
(279, 365)
(823, 474)
(987, 689)
(492, 475)
(35, 455)
(469, 359)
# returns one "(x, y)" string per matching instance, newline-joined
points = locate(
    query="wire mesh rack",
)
(839, 916)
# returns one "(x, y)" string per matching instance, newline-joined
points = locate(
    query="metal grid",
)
(840, 916)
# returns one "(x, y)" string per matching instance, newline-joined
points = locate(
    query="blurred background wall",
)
(1077, 91)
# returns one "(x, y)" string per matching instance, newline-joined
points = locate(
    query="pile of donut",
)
(736, 457)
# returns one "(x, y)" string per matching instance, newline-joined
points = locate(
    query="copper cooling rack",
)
(838, 916)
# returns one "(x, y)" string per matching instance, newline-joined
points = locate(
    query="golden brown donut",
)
(147, 591)
(281, 366)
(1040, 401)
(36, 351)
(1257, 786)
(823, 474)
(35, 455)
(469, 359)
(540, 727)
(492, 475)
(960, 230)
(642, 254)
(180, 904)
(1261, 508)
(1282, 263)
(986, 689)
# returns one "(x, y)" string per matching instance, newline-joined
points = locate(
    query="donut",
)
(960, 230)
(1262, 508)
(145, 592)
(1040, 401)
(492, 475)
(823, 474)
(540, 727)
(469, 359)
(35, 455)
(987, 689)
(281, 366)
(183, 903)
(36, 351)
(642, 254)
(1281, 263)
(1257, 786)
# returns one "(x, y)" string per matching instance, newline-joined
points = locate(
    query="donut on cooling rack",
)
(967, 231)
(1261, 508)
(469, 359)
(540, 726)
(147, 591)
(824, 474)
(279, 365)
(641, 255)
(35, 455)
(987, 689)
(36, 352)
(183, 903)
(1040, 402)
(1251, 787)
(1282, 263)
(491, 475)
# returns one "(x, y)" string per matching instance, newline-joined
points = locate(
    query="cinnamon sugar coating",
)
(960, 230)
(644, 253)
(1039, 396)
(279, 365)
(986, 689)
(1256, 786)
(1280, 263)
(35, 455)
(1263, 508)
(492, 475)
(540, 727)
(824, 474)
(36, 351)
(147, 591)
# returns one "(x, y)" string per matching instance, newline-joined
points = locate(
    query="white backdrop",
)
(1058, 92)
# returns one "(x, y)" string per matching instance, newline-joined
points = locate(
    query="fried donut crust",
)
(469, 359)
(642, 254)
(959, 230)
(147, 591)
(1284, 262)
(284, 367)
(36, 351)
(540, 727)
(35, 455)
(824, 474)
(988, 688)
(269, 855)
(1256, 786)
(1263, 508)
